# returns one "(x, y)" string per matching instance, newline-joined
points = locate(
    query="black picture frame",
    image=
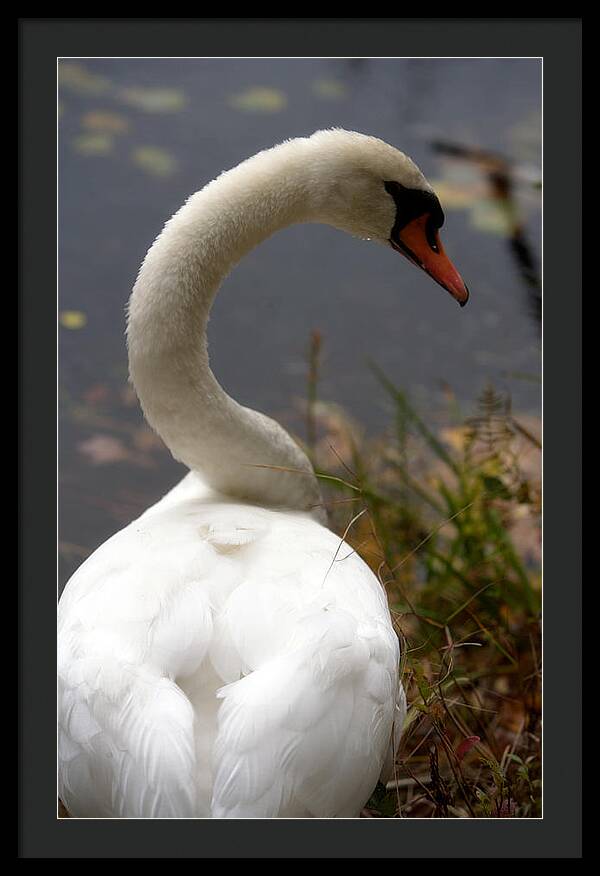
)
(558, 43)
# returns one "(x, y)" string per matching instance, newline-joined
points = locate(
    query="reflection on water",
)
(138, 136)
(502, 178)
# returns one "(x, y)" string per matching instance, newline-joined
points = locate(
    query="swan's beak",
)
(426, 251)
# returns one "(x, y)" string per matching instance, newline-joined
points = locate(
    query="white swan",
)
(213, 660)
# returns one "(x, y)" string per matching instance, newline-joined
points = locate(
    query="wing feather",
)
(308, 730)
(130, 753)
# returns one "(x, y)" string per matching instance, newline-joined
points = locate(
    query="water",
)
(137, 137)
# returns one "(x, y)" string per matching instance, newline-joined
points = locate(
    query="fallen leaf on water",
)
(490, 215)
(330, 89)
(154, 161)
(259, 99)
(72, 319)
(97, 143)
(103, 449)
(77, 78)
(106, 122)
(154, 100)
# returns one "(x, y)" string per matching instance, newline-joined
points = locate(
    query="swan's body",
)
(224, 655)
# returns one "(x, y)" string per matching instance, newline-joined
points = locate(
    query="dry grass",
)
(451, 526)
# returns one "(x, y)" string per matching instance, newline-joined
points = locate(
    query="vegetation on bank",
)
(450, 520)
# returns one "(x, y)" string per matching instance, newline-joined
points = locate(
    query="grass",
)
(449, 520)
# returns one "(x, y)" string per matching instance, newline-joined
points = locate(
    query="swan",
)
(214, 661)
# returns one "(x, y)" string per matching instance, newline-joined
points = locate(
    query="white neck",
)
(204, 428)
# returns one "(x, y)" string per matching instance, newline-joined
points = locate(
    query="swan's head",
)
(372, 190)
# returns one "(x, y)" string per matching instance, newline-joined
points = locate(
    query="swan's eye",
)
(431, 233)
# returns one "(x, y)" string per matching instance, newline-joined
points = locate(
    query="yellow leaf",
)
(259, 99)
(72, 319)
(154, 161)
(99, 143)
(154, 100)
(77, 78)
(105, 122)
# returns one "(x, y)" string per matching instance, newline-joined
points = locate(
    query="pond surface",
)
(137, 137)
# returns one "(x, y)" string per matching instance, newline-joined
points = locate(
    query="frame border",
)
(558, 42)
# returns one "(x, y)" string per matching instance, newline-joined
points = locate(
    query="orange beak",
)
(422, 246)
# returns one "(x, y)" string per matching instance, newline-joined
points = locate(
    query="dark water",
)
(138, 136)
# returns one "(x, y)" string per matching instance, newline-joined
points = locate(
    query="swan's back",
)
(226, 660)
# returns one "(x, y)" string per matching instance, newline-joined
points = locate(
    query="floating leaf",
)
(491, 215)
(77, 78)
(154, 161)
(259, 99)
(72, 319)
(103, 449)
(94, 144)
(154, 100)
(105, 122)
(329, 89)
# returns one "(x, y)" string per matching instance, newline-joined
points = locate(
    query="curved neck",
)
(230, 446)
